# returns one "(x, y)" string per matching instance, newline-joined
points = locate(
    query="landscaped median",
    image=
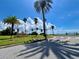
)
(6, 41)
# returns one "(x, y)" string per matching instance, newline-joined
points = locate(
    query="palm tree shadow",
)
(61, 51)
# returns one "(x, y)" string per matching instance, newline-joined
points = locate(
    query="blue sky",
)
(64, 13)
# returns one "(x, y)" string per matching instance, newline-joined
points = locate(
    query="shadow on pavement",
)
(61, 51)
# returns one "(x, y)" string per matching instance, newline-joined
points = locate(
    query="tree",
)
(36, 21)
(66, 33)
(25, 23)
(76, 33)
(11, 20)
(34, 33)
(7, 31)
(41, 30)
(18, 28)
(32, 29)
(43, 6)
(52, 27)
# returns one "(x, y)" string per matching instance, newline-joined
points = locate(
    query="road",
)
(41, 50)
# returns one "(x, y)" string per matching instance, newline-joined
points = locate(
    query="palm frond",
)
(25, 20)
(50, 1)
(35, 20)
(43, 4)
(37, 6)
(11, 19)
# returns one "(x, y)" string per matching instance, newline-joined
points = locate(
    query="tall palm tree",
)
(11, 20)
(25, 23)
(43, 6)
(52, 27)
(18, 27)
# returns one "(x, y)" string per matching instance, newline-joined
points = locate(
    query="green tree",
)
(42, 6)
(25, 23)
(11, 20)
(7, 31)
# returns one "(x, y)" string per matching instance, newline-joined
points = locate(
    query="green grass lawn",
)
(6, 40)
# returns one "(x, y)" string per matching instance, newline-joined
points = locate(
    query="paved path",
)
(13, 52)
(41, 50)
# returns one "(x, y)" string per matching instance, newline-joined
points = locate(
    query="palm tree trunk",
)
(17, 30)
(25, 28)
(44, 20)
(52, 31)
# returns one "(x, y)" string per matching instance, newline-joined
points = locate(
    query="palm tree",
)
(25, 23)
(36, 21)
(52, 27)
(43, 6)
(66, 33)
(17, 27)
(11, 20)
(41, 30)
(32, 29)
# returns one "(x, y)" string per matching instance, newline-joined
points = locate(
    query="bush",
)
(7, 31)
(34, 33)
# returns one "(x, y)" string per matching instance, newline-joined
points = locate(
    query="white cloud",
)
(3, 26)
(29, 25)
